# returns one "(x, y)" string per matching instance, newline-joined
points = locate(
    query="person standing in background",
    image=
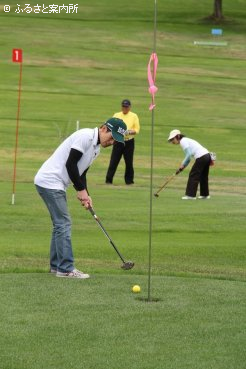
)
(200, 170)
(133, 128)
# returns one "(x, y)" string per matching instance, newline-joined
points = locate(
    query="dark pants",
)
(199, 175)
(127, 151)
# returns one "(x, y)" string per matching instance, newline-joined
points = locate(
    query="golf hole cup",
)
(136, 288)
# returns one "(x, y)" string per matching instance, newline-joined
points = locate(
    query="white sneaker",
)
(188, 198)
(204, 197)
(53, 271)
(74, 274)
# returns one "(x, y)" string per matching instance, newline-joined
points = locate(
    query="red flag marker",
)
(17, 55)
(17, 58)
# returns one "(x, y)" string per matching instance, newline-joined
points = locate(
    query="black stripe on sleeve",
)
(79, 182)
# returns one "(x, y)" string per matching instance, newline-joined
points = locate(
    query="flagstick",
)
(16, 136)
(151, 174)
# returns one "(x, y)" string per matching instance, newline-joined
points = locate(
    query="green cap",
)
(118, 129)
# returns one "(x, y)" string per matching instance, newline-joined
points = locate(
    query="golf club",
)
(167, 181)
(126, 264)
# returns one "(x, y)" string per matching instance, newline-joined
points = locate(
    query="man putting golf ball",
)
(69, 164)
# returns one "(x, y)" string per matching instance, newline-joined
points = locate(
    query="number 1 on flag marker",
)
(17, 55)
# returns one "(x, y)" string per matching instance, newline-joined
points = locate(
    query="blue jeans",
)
(61, 253)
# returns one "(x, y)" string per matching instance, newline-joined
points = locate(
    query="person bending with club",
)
(199, 171)
(69, 164)
(133, 128)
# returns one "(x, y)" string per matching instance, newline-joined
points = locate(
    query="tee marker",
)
(17, 58)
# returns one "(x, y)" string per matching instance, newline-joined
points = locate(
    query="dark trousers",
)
(127, 151)
(199, 175)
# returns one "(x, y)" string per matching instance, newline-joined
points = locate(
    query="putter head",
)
(127, 265)
(156, 195)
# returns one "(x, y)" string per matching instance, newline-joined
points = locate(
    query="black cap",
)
(126, 103)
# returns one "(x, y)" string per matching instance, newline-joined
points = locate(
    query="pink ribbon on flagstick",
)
(151, 78)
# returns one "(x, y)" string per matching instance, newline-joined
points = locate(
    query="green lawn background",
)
(80, 67)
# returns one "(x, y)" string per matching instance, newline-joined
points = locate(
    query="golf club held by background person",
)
(167, 181)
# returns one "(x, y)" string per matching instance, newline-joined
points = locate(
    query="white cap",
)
(173, 134)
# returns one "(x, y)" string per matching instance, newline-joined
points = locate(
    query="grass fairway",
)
(79, 67)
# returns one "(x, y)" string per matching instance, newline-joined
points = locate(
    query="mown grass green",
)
(197, 323)
(79, 67)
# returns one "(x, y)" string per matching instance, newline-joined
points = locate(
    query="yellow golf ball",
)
(136, 288)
